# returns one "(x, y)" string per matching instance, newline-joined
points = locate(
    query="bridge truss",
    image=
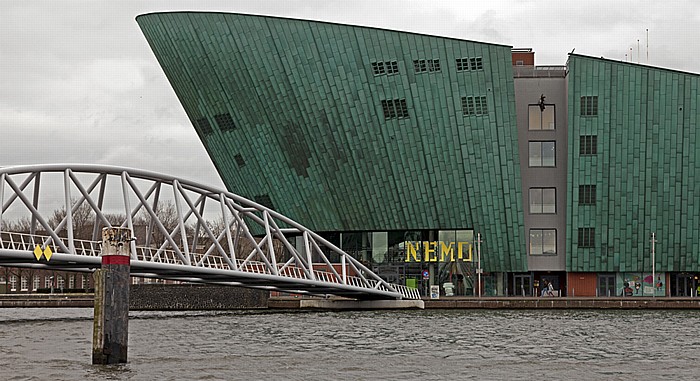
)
(183, 231)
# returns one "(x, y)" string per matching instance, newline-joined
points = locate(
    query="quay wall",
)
(154, 297)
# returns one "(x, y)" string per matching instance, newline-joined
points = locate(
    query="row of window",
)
(427, 65)
(385, 68)
(543, 153)
(471, 106)
(544, 241)
(424, 66)
(36, 282)
(224, 121)
(544, 200)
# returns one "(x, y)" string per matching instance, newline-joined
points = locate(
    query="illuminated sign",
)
(438, 251)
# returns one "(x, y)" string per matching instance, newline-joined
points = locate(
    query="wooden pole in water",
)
(110, 334)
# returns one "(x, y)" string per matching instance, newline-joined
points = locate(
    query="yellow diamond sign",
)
(48, 253)
(38, 252)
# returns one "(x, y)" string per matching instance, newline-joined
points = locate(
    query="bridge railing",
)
(27, 242)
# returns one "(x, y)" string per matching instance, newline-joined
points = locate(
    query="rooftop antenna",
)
(647, 46)
(638, 52)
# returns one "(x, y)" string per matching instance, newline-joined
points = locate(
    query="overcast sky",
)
(79, 83)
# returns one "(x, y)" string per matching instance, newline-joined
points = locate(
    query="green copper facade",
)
(645, 167)
(346, 128)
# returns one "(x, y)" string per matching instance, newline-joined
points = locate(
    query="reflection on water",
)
(431, 344)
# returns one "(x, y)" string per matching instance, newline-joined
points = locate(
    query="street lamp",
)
(653, 262)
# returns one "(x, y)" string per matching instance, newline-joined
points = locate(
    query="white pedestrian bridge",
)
(52, 216)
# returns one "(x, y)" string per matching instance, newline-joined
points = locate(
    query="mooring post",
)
(110, 333)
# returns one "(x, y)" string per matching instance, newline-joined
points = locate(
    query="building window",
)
(239, 160)
(519, 63)
(385, 68)
(542, 154)
(24, 283)
(47, 282)
(588, 144)
(543, 200)
(36, 283)
(541, 119)
(204, 126)
(85, 281)
(476, 63)
(589, 105)
(474, 106)
(225, 122)
(462, 64)
(543, 242)
(395, 109)
(13, 282)
(60, 283)
(586, 195)
(586, 237)
(422, 66)
(71, 281)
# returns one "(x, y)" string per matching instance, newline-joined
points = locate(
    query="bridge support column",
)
(111, 323)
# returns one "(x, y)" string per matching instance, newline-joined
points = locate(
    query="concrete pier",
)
(111, 325)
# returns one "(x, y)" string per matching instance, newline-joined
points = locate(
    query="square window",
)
(542, 154)
(589, 105)
(392, 67)
(462, 64)
(476, 63)
(543, 242)
(204, 126)
(543, 200)
(225, 122)
(541, 119)
(434, 65)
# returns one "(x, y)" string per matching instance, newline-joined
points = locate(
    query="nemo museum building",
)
(403, 149)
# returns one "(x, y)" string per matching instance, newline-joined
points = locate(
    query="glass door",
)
(523, 285)
(606, 285)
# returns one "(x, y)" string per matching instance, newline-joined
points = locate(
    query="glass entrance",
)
(606, 285)
(683, 285)
(522, 285)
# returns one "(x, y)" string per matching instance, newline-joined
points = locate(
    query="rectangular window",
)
(586, 237)
(474, 106)
(36, 283)
(542, 154)
(60, 282)
(543, 242)
(462, 64)
(541, 119)
(24, 283)
(543, 200)
(204, 126)
(433, 65)
(71, 281)
(586, 195)
(225, 122)
(13, 282)
(47, 282)
(589, 105)
(476, 63)
(239, 160)
(378, 68)
(395, 109)
(85, 281)
(588, 145)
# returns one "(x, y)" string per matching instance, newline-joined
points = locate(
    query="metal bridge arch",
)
(250, 245)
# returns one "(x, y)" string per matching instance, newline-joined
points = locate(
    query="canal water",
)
(55, 344)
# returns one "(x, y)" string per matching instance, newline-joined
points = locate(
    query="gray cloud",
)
(78, 82)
